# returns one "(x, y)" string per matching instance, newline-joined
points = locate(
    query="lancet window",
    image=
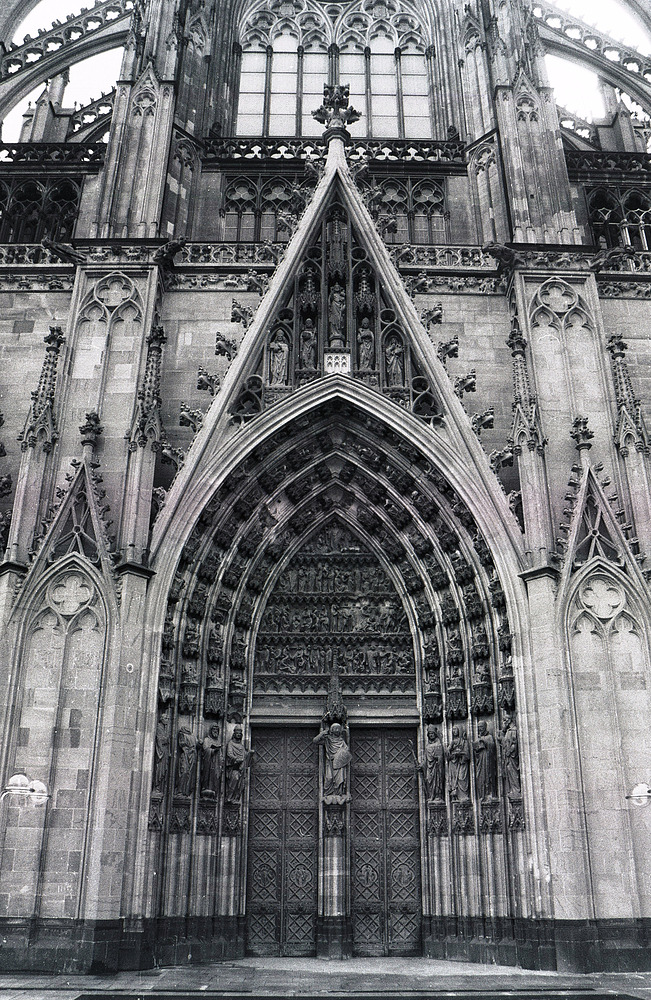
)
(290, 48)
(32, 208)
(409, 210)
(621, 217)
(258, 207)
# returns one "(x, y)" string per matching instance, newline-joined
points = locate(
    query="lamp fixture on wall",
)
(31, 789)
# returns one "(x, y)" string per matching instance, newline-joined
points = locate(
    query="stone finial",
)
(581, 433)
(335, 112)
(91, 430)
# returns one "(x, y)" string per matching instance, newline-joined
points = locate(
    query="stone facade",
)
(326, 525)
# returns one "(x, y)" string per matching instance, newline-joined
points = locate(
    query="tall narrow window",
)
(315, 74)
(250, 114)
(283, 96)
(415, 91)
(352, 70)
(384, 88)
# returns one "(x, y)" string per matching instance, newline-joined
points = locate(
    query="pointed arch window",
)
(290, 48)
(620, 217)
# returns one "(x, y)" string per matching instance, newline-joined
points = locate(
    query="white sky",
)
(576, 88)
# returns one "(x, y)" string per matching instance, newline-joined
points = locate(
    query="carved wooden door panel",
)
(282, 854)
(385, 839)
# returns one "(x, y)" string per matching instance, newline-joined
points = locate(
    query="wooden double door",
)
(283, 851)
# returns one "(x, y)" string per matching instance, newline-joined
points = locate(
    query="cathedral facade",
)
(326, 515)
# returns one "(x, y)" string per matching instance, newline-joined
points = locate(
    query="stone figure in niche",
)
(210, 763)
(237, 761)
(458, 755)
(186, 761)
(485, 762)
(394, 362)
(278, 361)
(308, 345)
(366, 345)
(337, 759)
(162, 752)
(337, 315)
(433, 766)
(508, 740)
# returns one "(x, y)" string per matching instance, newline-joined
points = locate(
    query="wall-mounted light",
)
(33, 791)
(640, 795)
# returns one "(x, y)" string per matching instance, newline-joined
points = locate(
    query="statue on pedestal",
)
(337, 759)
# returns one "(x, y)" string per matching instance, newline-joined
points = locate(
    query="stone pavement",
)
(295, 977)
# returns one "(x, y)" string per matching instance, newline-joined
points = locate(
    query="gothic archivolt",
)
(335, 549)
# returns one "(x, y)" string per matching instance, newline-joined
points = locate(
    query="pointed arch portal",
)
(335, 567)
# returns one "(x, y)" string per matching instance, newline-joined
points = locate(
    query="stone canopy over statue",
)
(337, 758)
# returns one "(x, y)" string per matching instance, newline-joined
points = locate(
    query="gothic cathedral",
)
(325, 479)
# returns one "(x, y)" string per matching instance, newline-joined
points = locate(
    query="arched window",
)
(290, 48)
(637, 205)
(620, 217)
(31, 209)
(258, 208)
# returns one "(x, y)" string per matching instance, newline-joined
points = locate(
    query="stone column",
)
(334, 927)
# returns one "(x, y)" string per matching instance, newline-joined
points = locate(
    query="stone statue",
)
(458, 755)
(508, 740)
(337, 759)
(186, 761)
(433, 766)
(336, 315)
(308, 345)
(210, 763)
(366, 345)
(394, 362)
(278, 362)
(236, 763)
(485, 762)
(162, 752)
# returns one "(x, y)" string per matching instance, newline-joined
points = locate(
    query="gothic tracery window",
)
(290, 48)
(31, 208)
(620, 217)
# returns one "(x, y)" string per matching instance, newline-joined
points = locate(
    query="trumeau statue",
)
(433, 766)
(337, 759)
(237, 761)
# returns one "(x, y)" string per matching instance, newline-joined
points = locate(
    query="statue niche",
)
(334, 609)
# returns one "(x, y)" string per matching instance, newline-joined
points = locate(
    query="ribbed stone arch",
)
(14, 88)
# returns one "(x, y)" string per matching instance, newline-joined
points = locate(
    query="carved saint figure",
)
(366, 345)
(394, 362)
(337, 759)
(278, 359)
(186, 761)
(508, 740)
(308, 345)
(162, 752)
(336, 315)
(458, 755)
(485, 762)
(210, 763)
(237, 760)
(433, 766)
